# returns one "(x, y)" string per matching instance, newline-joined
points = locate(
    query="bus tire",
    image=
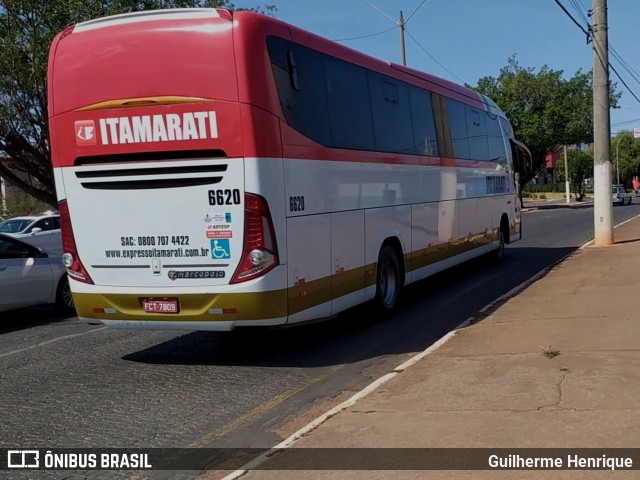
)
(503, 238)
(388, 283)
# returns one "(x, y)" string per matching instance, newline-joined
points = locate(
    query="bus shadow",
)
(429, 310)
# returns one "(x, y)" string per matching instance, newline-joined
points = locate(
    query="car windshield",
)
(14, 226)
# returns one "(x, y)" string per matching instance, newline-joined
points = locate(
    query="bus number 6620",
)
(224, 197)
(296, 204)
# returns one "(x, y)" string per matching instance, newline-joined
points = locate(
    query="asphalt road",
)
(66, 384)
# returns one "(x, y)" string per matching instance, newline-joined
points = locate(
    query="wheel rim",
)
(501, 243)
(388, 284)
(67, 297)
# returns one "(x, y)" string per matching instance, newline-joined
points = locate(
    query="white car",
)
(26, 226)
(620, 196)
(32, 273)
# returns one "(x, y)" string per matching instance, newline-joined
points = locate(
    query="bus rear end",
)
(160, 227)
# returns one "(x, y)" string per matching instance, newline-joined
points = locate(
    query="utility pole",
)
(602, 207)
(567, 187)
(3, 193)
(401, 24)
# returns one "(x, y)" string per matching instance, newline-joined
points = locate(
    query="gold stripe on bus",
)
(443, 251)
(322, 290)
(143, 102)
(193, 307)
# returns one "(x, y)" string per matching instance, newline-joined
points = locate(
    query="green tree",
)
(625, 150)
(545, 109)
(580, 169)
(27, 28)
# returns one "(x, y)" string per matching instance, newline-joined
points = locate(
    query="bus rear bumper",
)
(205, 326)
(195, 311)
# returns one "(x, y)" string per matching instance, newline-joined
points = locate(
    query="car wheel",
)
(64, 298)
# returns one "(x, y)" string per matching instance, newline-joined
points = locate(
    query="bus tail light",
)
(70, 258)
(259, 252)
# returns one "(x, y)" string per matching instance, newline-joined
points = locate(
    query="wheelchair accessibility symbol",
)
(220, 249)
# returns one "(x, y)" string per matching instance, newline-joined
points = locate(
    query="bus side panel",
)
(347, 254)
(309, 267)
(486, 220)
(470, 225)
(424, 237)
(448, 222)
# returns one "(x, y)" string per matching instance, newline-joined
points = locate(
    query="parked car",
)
(620, 196)
(19, 227)
(32, 273)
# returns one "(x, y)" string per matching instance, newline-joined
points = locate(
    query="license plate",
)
(165, 305)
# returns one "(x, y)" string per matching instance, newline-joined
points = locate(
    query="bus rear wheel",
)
(503, 239)
(388, 283)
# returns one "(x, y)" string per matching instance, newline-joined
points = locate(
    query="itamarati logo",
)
(170, 127)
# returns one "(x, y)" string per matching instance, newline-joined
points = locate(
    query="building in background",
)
(9, 191)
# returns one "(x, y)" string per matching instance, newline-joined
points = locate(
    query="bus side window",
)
(497, 151)
(293, 70)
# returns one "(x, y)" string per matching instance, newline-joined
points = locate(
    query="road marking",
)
(263, 408)
(399, 369)
(53, 340)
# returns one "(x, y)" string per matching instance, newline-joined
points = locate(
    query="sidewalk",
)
(557, 365)
(555, 203)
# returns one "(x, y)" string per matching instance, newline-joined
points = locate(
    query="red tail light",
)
(75, 269)
(259, 252)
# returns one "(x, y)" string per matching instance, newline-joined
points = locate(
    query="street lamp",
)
(618, 158)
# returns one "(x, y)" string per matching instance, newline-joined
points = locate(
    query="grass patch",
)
(549, 352)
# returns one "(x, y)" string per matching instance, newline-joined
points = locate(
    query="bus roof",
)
(266, 25)
(147, 15)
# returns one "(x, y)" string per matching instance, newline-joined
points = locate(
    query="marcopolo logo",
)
(23, 459)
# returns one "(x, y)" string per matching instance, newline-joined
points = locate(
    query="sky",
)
(465, 40)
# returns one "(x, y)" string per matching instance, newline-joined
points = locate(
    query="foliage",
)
(27, 28)
(625, 150)
(21, 204)
(580, 168)
(544, 187)
(545, 109)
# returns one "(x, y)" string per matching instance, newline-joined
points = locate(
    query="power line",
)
(580, 9)
(376, 8)
(576, 6)
(624, 83)
(630, 70)
(609, 63)
(626, 122)
(364, 36)
(573, 19)
(414, 12)
(432, 57)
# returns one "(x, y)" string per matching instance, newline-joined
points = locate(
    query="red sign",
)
(85, 132)
(219, 234)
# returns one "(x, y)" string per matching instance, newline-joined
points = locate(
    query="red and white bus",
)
(220, 169)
